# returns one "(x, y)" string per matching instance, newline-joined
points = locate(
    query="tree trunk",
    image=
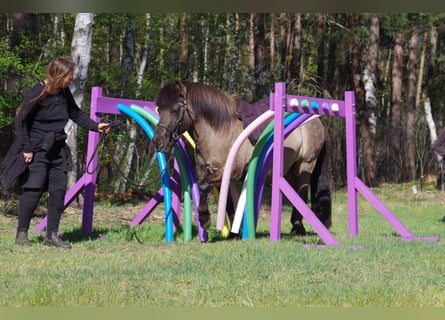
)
(272, 44)
(58, 37)
(432, 66)
(295, 50)
(184, 54)
(370, 74)
(395, 136)
(332, 57)
(161, 57)
(128, 68)
(320, 49)
(362, 112)
(283, 44)
(232, 54)
(128, 55)
(144, 55)
(249, 94)
(260, 55)
(205, 54)
(411, 107)
(421, 70)
(81, 55)
(431, 76)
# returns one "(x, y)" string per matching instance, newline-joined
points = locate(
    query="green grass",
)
(135, 267)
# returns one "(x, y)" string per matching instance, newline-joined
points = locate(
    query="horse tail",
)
(321, 189)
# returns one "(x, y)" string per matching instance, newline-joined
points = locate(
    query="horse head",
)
(175, 115)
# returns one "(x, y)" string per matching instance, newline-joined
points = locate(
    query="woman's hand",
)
(28, 156)
(104, 127)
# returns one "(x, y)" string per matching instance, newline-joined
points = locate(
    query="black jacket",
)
(40, 128)
(13, 166)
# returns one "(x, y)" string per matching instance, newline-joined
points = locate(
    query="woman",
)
(40, 139)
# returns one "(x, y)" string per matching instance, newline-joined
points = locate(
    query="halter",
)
(175, 131)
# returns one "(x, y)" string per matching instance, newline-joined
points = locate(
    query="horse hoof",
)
(205, 237)
(327, 223)
(205, 221)
(297, 230)
(234, 236)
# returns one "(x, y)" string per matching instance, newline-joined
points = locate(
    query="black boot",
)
(52, 239)
(21, 238)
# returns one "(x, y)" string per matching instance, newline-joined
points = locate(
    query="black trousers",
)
(45, 173)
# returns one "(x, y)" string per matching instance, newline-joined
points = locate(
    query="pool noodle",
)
(262, 170)
(183, 157)
(249, 221)
(162, 165)
(222, 204)
(185, 183)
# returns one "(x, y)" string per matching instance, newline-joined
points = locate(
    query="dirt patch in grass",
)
(107, 213)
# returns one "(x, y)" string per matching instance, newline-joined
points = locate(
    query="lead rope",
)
(102, 142)
(102, 139)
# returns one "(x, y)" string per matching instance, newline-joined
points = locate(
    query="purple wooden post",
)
(351, 162)
(382, 209)
(280, 184)
(90, 179)
(148, 208)
(276, 102)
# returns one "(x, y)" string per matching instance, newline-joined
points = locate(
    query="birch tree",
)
(140, 77)
(370, 73)
(205, 50)
(80, 54)
(426, 99)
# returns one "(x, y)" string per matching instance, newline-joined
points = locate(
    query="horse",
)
(212, 119)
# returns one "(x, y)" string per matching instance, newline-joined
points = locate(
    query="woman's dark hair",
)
(58, 69)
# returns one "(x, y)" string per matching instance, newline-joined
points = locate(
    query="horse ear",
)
(180, 88)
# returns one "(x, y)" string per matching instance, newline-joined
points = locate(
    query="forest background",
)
(394, 62)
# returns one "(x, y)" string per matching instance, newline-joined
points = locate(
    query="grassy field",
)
(135, 267)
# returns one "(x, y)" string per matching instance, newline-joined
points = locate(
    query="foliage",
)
(10, 65)
(216, 51)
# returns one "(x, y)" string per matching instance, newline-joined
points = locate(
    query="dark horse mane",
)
(202, 99)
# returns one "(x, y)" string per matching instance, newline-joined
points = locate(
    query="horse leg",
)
(321, 190)
(301, 186)
(203, 207)
(296, 219)
(205, 187)
(300, 178)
